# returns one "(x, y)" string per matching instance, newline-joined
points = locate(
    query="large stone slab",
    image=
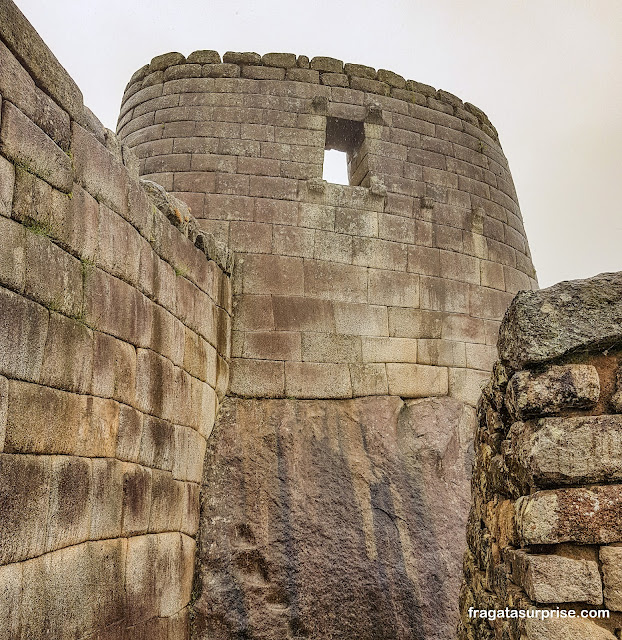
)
(334, 519)
(543, 325)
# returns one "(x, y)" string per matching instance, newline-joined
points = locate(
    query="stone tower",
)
(364, 325)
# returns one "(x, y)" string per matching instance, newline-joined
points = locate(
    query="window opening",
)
(342, 154)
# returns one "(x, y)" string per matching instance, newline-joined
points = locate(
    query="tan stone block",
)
(44, 420)
(191, 509)
(203, 407)
(266, 274)
(611, 563)
(457, 266)
(361, 223)
(303, 314)
(140, 578)
(480, 356)
(317, 380)
(488, 303)
(257, 378)
(293, 241)
(175, 571)
(360, 319)
(565, 629)
(4, 409)
(167, 333)
(441, 352)
(70, 507)
(68, 355)
(10, 600)
(13, 256)
(129, 434)
(379, 254)
(549, 578)
(580, 515)
(335, 281)
(136, 499)
(24, 495)
(106, 498)
(467, 385)
(438, 294)
(272, 345)
(381, 349)
(334, 247)
(166, 502)
(369, 380)
(393, 289)
(7, 181)
(417, 380)
(275, 211)
(492, 275)
(119, 246)
(414, 323)
(23, 331)
(316, 216)
(463, 328)
(155, 377)
(330, 347)
(53, 277)
(189, 454)
(75, 591)
(251, 237)
(253, 313)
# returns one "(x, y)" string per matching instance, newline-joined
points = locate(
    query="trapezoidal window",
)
(343, 152)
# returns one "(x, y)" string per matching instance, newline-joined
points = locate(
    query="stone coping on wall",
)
(318, 70)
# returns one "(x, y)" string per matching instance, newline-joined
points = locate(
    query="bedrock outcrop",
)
(333, 519)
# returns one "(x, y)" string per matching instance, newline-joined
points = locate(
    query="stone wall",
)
(394, 284)
(114, 339)
(545, 528)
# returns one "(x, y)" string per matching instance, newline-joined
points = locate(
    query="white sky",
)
(547, 72)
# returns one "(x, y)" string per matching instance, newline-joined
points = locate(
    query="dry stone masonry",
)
(276, 446)
(545, 528)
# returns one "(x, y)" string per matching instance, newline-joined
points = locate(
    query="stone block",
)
(393, 289)
(262, 73)
(74, 592)
(580, 515)
(293, 241)
(343, 282)
(369, 379)
(480, 356)
(136, 499)
(257, 378)
(369, 86)
(129, 319)
(254, 313)
(467, 385)
(18, 87)
(414, 323)
(360, 71)
(330, 347)
(565, 629)
(167, 334)
(544, 452)
(446, 353)
(361, 319)
(267, 274)
(381, 349)
(189, 452)
(24, 143)
(23, 332)
(302, 75)
(464, 328)
(206, 56)
(70, 506)
(119, 246)
(330, 65)
(68, 355)
(114, 368)
(488, 303)
(417, 380)
(379, 254)
(166, 502)
(573, 386)
(332, 247)
(272, 345)
(317, 380)
(191, 510)
(238, 57)
(548, 578)
(24, 499)
(10, 600)
(611, 564)
(7, 182)
(99, 171)
(53, 277)
(302, 314)
(129, 434)
(44, 420)
(106, 499)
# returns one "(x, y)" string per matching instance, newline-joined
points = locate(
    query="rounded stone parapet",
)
(394, 284)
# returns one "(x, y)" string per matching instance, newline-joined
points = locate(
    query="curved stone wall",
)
(394, 284)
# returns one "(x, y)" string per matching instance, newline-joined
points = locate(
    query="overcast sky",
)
(547, 72)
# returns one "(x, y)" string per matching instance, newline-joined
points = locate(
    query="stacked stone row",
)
(318, 70)
(114, 339)
(545, 529)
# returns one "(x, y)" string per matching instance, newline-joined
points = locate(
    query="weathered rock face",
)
(333, 519)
